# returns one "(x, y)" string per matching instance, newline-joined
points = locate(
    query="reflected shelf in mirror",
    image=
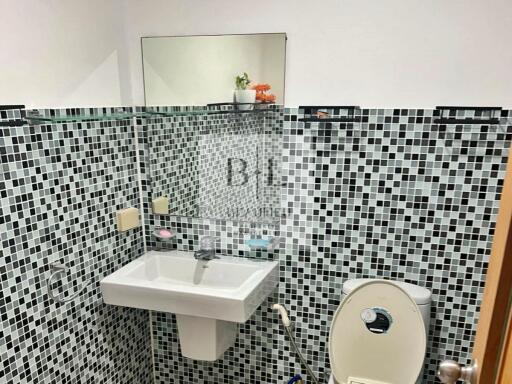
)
(233, 108)
(228, 108)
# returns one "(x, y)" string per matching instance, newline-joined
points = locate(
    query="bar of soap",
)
(161, 205)
(127, 219)
(165, 233)
(257, 243)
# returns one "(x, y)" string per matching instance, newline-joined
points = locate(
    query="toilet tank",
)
(421, 296)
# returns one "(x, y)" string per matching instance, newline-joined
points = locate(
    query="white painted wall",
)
(375, 53)
(61, 53)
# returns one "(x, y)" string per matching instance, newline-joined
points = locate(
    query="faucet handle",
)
(207, 243)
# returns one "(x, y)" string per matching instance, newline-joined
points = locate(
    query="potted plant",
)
(243, 94)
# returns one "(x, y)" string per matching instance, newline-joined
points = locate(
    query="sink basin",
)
(208, 297)
(229, 288)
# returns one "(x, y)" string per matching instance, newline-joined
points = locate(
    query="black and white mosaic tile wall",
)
(394, 196)
(11, 115)
(60, 186)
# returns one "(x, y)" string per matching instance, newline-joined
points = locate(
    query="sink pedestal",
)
(205, 339)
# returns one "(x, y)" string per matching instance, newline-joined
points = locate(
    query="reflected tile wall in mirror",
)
(220, 165)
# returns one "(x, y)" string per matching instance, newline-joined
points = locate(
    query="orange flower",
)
(261, 87)
(265, 98)
(270, 98)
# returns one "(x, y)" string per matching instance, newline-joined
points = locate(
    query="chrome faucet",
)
(206, 250)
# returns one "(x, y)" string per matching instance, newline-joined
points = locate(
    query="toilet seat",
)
(377, 336)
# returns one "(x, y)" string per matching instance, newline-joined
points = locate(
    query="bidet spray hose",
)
(288, 327)
(284, 315)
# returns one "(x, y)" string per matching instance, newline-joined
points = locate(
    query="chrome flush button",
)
(376, 320)
(368, 315)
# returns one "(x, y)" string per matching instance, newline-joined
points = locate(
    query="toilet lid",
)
(377, 336)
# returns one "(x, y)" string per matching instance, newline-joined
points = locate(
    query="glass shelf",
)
(209, 110)
(78, 118)
(112, 116)
(175, 113)
(12, 123)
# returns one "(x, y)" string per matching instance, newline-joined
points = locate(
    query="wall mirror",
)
(199, 70)
(210, 155)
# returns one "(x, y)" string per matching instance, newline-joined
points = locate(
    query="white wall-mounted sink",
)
(208, 297)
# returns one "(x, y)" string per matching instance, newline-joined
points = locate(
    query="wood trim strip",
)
(505, 370)
(498, 285)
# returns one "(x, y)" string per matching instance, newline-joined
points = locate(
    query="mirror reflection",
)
(215, 137)
(217, 165)
(199, 70)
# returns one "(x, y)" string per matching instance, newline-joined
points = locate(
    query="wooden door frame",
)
(490, 347)
(505, 367)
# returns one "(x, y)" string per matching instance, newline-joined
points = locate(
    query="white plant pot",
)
(245, 96)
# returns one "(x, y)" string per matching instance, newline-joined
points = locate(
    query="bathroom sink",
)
(209, 298)
(228, 288)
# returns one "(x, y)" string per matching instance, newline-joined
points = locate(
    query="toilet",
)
(379, 333)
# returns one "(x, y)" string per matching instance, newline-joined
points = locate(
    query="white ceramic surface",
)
(358, 354)
(416, 293)
(245, 96)
(229, 288)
